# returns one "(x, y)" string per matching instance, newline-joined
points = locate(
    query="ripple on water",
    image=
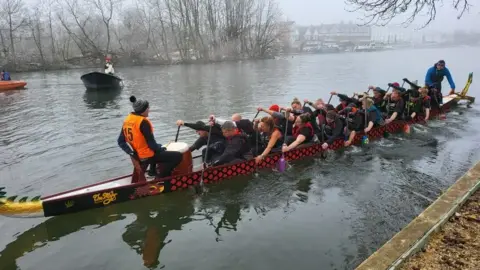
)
(332, 212)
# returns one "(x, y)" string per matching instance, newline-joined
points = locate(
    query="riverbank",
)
(413, 238)
(88, 62)
(457, 245)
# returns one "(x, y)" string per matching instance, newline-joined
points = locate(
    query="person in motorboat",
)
(303, 132)
(137, 140)
(374, 115)
(109, 66)
(5, 76)
(270, 138)
(433, 81)
(333, 130)
(217, 140)
(236, 145)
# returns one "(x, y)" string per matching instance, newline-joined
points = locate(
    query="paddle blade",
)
(281, 164)
(407, 129)
(365, 140)
(443, 116)
(386, 134)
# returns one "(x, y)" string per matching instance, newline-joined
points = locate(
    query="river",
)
(320, 214)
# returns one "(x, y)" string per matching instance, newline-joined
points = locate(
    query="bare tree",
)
(11, 13)
(37, 31)
(106, 10)
(381, 12)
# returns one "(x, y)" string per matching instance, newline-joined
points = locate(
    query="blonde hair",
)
(368, 102)
(423, 92)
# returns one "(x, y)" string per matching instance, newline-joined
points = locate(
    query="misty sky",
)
(307, 12)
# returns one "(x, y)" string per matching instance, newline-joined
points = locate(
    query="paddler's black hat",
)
(343, 98)
(380, 90)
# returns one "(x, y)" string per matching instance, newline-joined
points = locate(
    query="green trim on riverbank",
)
(416, 234)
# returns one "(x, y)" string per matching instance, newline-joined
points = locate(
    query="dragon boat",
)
(136, 185)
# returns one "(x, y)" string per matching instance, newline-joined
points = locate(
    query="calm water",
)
(321, 214)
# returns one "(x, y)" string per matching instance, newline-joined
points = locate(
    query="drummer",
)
(137, 140)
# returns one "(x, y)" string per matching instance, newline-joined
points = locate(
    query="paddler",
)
(236, 145)
(434, 78)
(395, 106)
(320, 111)
(303, 132)
(278, 117)
(298, 109)
(271, 138)
(344, 101)
(109, 66)
(379, 98)
(137, 140)
(374, 115)
(333, 129)
(217, 141)
(422, 105)
(355, 122)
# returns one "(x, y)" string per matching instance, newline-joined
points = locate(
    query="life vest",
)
(134, 137)
(296, 130)
(378, 114)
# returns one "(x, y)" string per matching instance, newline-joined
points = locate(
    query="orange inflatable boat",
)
(12, 85)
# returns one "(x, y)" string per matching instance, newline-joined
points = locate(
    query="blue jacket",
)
(378, 114)
(6, 76)
(435, 76)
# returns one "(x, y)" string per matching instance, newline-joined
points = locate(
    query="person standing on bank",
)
(434, 78)
(136, 139)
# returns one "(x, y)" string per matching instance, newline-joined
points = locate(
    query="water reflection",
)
(156, 217)
(102, 99)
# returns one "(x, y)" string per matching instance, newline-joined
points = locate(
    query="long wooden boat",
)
(135, 185)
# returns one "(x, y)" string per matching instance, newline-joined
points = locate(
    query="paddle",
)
(365, 137)
(282, 162)
(330, 99)
(199, 188)
(178, 131)
(255, 116)
(385, 132)
(441, 114)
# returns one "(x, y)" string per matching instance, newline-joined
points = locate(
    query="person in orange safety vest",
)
(136, 139)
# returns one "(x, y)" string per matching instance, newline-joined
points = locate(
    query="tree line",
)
(55, 34)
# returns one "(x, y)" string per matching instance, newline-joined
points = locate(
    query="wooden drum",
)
(186, 165)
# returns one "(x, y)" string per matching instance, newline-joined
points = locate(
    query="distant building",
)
(338, 33)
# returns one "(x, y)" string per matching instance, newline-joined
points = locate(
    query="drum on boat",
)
(186, 165)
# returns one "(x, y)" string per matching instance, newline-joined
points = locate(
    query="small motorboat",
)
(101, 81)
(12, 85)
